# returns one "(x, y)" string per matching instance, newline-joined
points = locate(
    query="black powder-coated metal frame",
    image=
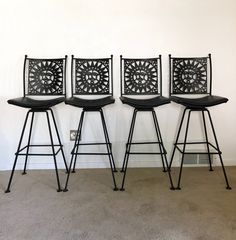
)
(203, 110)
(20, 150)
(162, 150)
(40, 70)
(153, 68)
(75, 151)
(96, 66)
(159, 142)
(202, 66)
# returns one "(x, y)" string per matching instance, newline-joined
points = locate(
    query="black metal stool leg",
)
(177, 138)
(184, 146)
(108, 150)
(53, 151)
(59, 140)
(77, 139)
(159, 137)
(16, 157)
(126, 147)
(126, 159)
(206, 136)
(27, 150)
(218, 148)
(108, 140)
(68, 174)
(74, 150)
(75, 158)
(160, 143)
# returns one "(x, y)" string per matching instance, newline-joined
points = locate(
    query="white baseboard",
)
(105, 164)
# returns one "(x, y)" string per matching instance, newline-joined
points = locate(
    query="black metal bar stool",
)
(45, 78)
(192, 77)
(142, 77)
(91, 77)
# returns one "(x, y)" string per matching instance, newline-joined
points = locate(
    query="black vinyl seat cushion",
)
(90, 103)
(27, 102)
(199, 103)
(145, 103)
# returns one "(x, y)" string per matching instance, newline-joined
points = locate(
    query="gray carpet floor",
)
(91, 210)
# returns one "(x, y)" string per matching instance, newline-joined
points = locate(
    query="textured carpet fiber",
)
(91, 210)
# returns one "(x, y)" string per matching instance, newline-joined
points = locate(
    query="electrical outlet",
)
(73, 135)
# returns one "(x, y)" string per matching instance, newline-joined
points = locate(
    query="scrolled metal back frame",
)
(73, 75)
(158, 71)
(26, 81)
(208, 76)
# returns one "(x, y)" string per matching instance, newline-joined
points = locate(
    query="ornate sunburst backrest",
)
(140, 76)
(44, 76)
(190, 75)
(92, 76)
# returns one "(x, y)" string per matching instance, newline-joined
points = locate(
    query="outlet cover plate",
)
(73, 135)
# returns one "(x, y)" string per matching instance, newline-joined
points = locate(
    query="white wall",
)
(98, 28)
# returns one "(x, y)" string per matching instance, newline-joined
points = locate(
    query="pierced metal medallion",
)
(140, 76)
(92, 76)
(45, 77)
(190, 76)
